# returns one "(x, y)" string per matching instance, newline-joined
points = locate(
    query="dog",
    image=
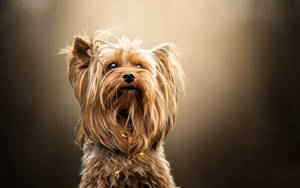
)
(128, 99)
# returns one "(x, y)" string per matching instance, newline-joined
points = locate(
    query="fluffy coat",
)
(122, 125)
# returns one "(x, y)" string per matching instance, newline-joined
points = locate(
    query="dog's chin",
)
(129, 90)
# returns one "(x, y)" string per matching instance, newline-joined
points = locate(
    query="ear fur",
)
(169, 70)
(78, 58)
(80, 50)
(168, 65)
(170, 76)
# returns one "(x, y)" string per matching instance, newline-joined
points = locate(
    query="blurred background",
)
(238, 123)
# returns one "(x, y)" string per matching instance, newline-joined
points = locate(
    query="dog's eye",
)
(113, 65)
(139, 66)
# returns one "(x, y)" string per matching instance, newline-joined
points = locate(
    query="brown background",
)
(238, 123)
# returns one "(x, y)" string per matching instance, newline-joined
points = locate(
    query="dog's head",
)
(127, 94)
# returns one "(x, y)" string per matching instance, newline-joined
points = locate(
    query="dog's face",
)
(127, 94)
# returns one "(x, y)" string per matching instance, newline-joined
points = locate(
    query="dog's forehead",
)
(125, 53)
(138, 56)
(107, 51)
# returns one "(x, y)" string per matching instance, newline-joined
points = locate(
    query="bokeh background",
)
(238, 123)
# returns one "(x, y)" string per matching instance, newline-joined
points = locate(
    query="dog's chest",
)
(105, 168)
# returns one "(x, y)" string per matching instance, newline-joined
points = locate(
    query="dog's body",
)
(128, 103)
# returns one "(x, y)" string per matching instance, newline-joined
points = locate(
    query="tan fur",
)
(121, 129)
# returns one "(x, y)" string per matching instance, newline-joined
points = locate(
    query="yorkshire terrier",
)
(128, 99)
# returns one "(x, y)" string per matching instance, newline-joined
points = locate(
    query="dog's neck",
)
(92, 146)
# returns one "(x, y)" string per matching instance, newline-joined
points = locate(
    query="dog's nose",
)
(128, 77)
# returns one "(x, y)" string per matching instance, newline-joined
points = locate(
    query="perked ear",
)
(78, 58)
(169, 66)
(80, 50)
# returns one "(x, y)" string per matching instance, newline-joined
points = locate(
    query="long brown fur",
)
(122, 126)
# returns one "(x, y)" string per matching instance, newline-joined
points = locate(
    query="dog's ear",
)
(78, 55)
(169, 71)
(170, 77)
(78, 60)
(81, 51)
(168, 64)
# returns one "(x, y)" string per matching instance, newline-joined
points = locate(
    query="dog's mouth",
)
(132, 90)
(128, 88)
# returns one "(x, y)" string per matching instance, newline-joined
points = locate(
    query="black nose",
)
(128, 77)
